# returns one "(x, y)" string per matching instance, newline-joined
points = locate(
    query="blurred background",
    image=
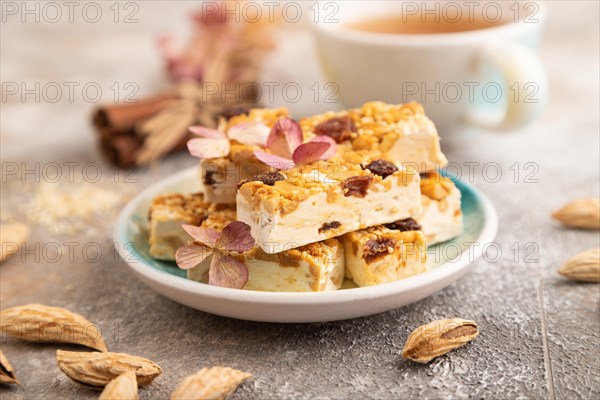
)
(59, 64)
(117, 61)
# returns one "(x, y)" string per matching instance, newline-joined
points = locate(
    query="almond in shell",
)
(12, 236)
(43, 324)
(215, 383)
(437, 338)
(7, 374)
(584, 267)
(123, 387)
(582, 213)
(98, 369)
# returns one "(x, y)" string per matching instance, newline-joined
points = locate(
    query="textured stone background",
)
(539, 332)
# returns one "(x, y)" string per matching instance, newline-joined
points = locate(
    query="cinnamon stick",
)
(115, 126)
(117, 118)
(118, 126)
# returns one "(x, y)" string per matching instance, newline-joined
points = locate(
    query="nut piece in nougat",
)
(220, 176)
(400, 132)
(379, 255)
(441, 218)
(312, 268)
(166, 215)
(325, 199)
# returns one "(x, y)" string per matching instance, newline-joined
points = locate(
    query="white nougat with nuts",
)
(306, 205)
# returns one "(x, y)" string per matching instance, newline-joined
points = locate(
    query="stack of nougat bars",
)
(365, 216)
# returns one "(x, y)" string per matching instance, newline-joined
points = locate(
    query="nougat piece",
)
(166, 215)
(314, 202)
(312, 268)
(441, 218)
(220, 176)
(400, 132)
(379, 255)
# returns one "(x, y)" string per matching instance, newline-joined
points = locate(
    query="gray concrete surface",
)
(539, 333)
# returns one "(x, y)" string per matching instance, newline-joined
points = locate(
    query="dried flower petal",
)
(249, 133)
(208, 148)
(206, 236)
(310, 152)
(235, 237)
(284, 137)
(207, 133)
(274, 161)
(287, 150)
(226, 271)
(332, 146)
(221, 49)
(177, 66)
(191, 255)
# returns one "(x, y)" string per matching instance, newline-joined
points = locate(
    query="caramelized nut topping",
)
(382, 168)
(404, 225)
(191, 206)
(376, 248)
(329, 225)
(356, 185)
(269, 178)
(339, 129)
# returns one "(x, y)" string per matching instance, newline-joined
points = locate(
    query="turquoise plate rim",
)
(147, 271)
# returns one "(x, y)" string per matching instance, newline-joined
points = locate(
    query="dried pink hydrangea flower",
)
(212, 143)
(287, 150)
(214, 247)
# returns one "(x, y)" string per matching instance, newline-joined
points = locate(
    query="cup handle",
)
(525, 85)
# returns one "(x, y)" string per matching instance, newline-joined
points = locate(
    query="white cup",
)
(486, 78)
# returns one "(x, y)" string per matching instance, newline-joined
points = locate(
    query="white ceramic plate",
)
(446, 263)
